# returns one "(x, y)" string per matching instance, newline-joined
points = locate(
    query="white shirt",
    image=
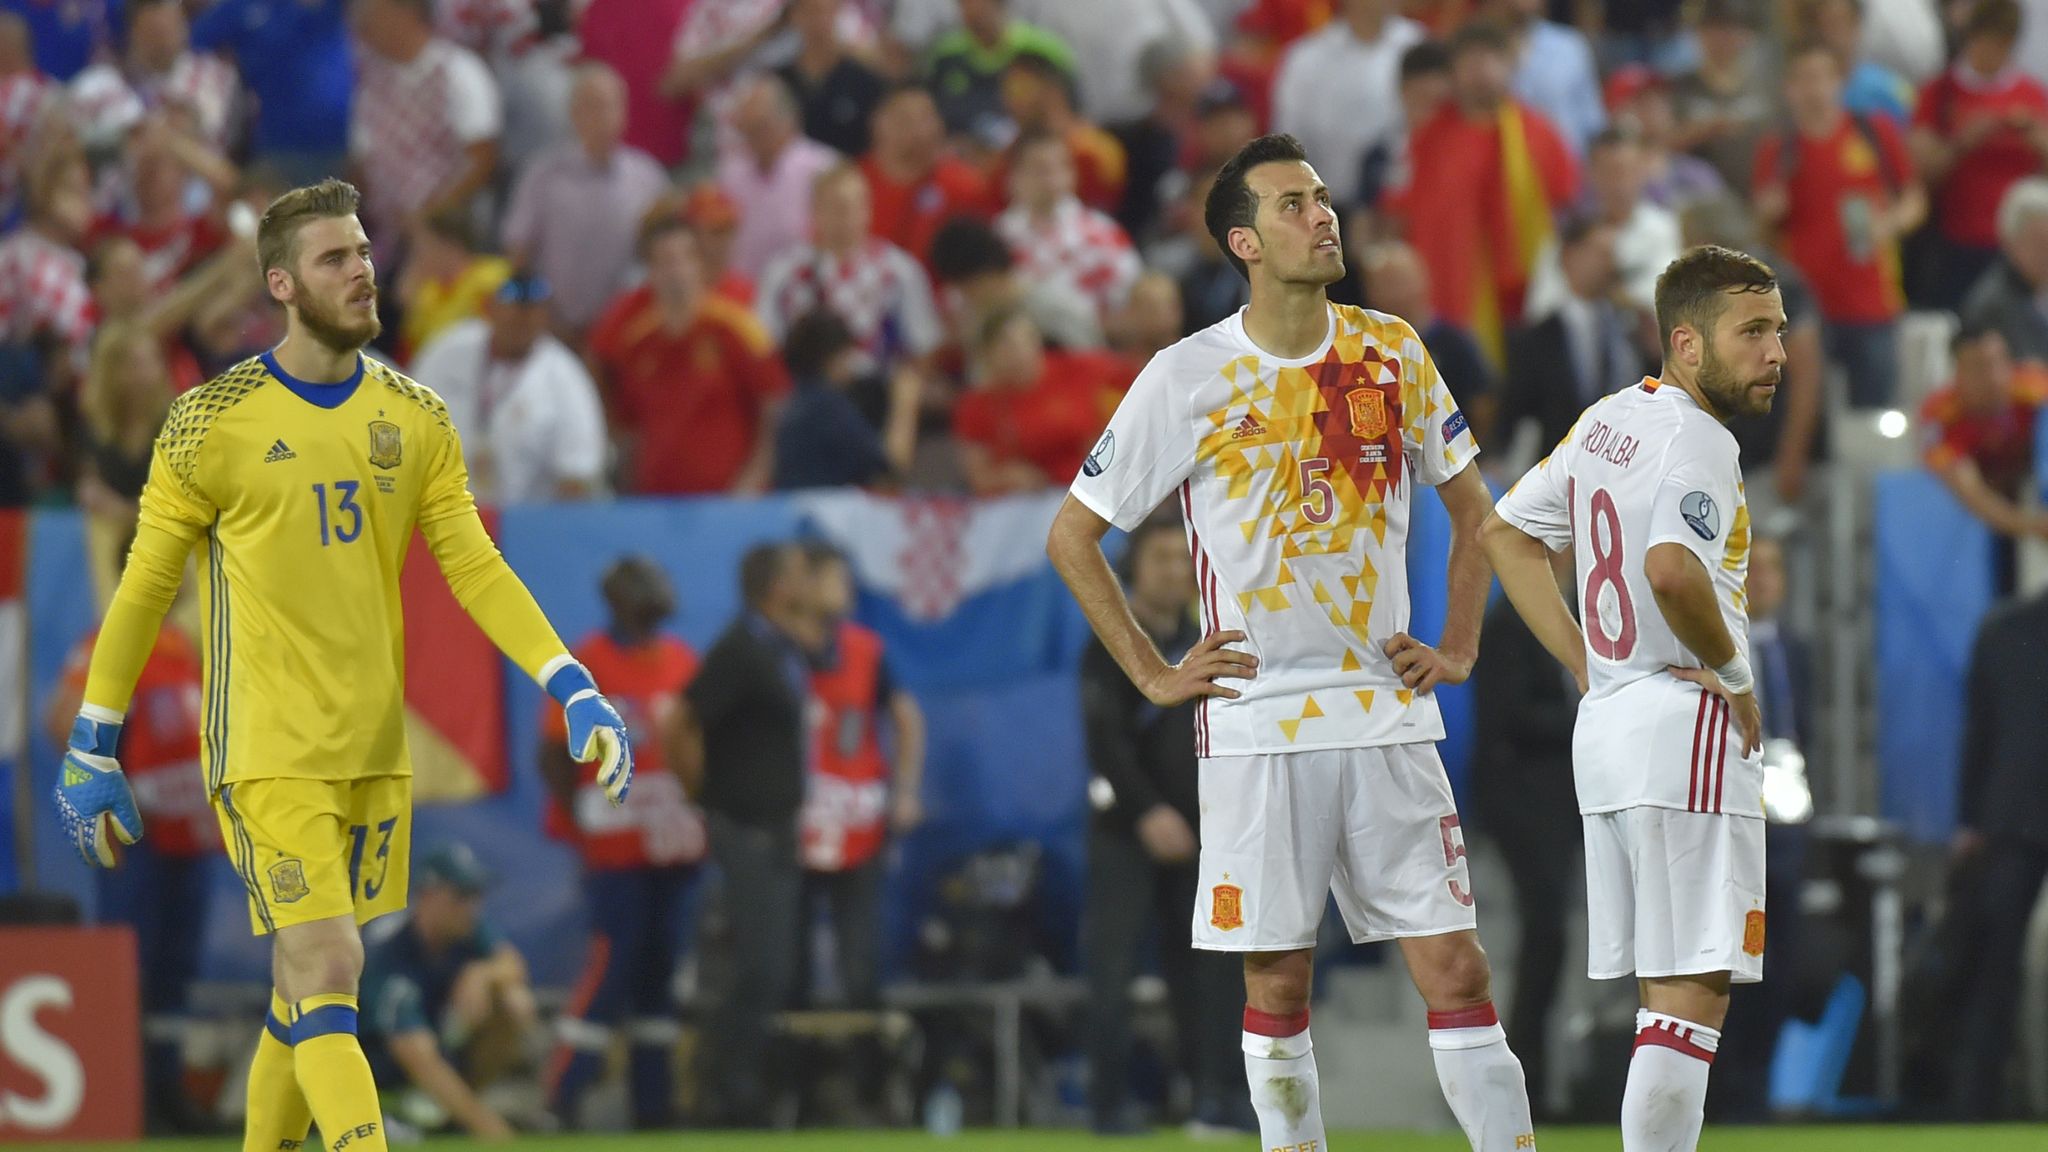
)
(1109, 38)
(1643, 467)
(527, 427)
(1341, 96)
(880, 291)
(1294, 478)
(1648, 241)
(1078, 249)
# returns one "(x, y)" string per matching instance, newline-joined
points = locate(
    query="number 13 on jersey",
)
(346, 521)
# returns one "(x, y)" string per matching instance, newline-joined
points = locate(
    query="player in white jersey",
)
(1666, 754)
(1291, 438)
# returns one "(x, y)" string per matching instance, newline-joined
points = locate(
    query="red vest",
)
(656, 825)
(160, 745)
(846, 800)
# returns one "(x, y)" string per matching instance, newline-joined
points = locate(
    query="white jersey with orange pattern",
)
(1642, 467)
(1294, 479)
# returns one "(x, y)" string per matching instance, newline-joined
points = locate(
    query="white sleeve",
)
(1144, 454)
(1540, 502)
(474, 111)
(579, 439)
(445, 365)
(771, 295)
(1697, 498)
(1435, 436)
(923, 331)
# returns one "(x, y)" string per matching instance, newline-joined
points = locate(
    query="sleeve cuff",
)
(1097, 505)
(563, 678)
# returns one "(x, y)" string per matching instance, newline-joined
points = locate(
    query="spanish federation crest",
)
(385, 449)
(1753, 933)
(1226, 907)
(1368, 412)
(288, 880)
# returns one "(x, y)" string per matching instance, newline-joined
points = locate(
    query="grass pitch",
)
(1866, 1138)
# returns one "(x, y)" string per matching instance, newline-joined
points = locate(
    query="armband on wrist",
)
(1736, 676)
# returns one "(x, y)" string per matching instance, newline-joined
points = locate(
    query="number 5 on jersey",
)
(346, 521)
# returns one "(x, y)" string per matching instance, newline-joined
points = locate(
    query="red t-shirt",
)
(695, 398)
(1839, 184)
(2000, 442)
(1966, 202)
(656, 825)
(1456, 205)
(168, 252)
(909, 215)
(1050, 424)
(160, 744)
(844, 821)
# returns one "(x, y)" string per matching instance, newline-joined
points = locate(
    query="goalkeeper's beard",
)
(331, 327)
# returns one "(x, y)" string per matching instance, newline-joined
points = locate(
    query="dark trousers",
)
(1130, 896)
(853, 899)
(1542, 843)
(2013, 871)
(763, 888)
(163, 898)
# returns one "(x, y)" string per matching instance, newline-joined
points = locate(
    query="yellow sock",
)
(334, 1075)
(278, 1118)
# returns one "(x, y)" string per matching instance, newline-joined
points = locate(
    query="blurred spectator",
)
(876, 287)
(1224, 123)
(489, 28)
(636, 37)
(1337, 91)
(533, 54)
(835, 89)
(1725, 105)
(1646, 237)
(714, 219)
(424, 129)
(966, 66)
(2002, 833)
(1578, 353)
(447, 1005)
(68, 37)
(1058, 240)
(1905, 36)
(1979, 127)
(1039, 97)
(44, 301)
(1151, 319)
(856, 797)
(771, 175)
(226, 285)
(914, 186)
(166, 73)
(1979, 439)
(639, 858)
(1671, 179)
(718, 47)
(532, 426)
(1868, 87)
(1397, 281)
(845, 425)
(1425, 87)
(2005, 296)
(300, 68)
(1555, 72)
(691, 378)
(977, 275)
(1028, 422)
(1158, 145)
(1109, 41)
(1841, 191)
(577, 207)
(121, 407)
(1211, 288)
(744, 741)
(1141, 857)
(162, 889)
(446, 278)
(26, 94)
(1525, 706)
(154, 209)
(1486, 176)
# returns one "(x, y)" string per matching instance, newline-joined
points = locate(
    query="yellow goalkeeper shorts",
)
(314, 849)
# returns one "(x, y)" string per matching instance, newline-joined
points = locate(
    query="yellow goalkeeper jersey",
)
(300, 501)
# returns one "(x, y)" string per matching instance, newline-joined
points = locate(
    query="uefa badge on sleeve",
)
(1700, 515)
(1100, 456)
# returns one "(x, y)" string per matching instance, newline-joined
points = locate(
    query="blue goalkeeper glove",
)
(595, 730)
(92, 794)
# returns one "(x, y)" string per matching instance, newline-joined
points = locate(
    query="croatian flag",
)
(960, 590)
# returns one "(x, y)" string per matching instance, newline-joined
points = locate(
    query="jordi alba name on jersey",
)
(1294, 478)
(300, 515)
(1643, 467)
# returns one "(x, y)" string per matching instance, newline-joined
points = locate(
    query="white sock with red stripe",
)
(1280, 1065)
(1481, 1078)
(1665, 1103)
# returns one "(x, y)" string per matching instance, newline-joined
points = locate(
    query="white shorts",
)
(1673, 893)
(1375, 826)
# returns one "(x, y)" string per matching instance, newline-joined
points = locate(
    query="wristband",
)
(1736, 676)
(567, 681)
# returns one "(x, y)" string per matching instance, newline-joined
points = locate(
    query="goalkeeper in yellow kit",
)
(298, 477)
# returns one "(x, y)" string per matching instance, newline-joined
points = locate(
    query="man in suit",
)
(1577, 353)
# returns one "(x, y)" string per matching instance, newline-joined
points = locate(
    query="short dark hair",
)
(1480, 35)
(1612, 136)
(818, 552)
(1034, 63)
(1970, 333)
(1577, 227)
(964, 248)
(1997, 19)
(278, 232)
(1430, 57)
(814, 339)
(760, 568)
(1232, 203)
(1693, 289)
(1134, 540)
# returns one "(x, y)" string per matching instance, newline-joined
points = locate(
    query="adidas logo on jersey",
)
(279, 451)
(1248, 428)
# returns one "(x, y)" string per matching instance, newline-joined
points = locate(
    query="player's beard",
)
(1732, 397)
(330, 325)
